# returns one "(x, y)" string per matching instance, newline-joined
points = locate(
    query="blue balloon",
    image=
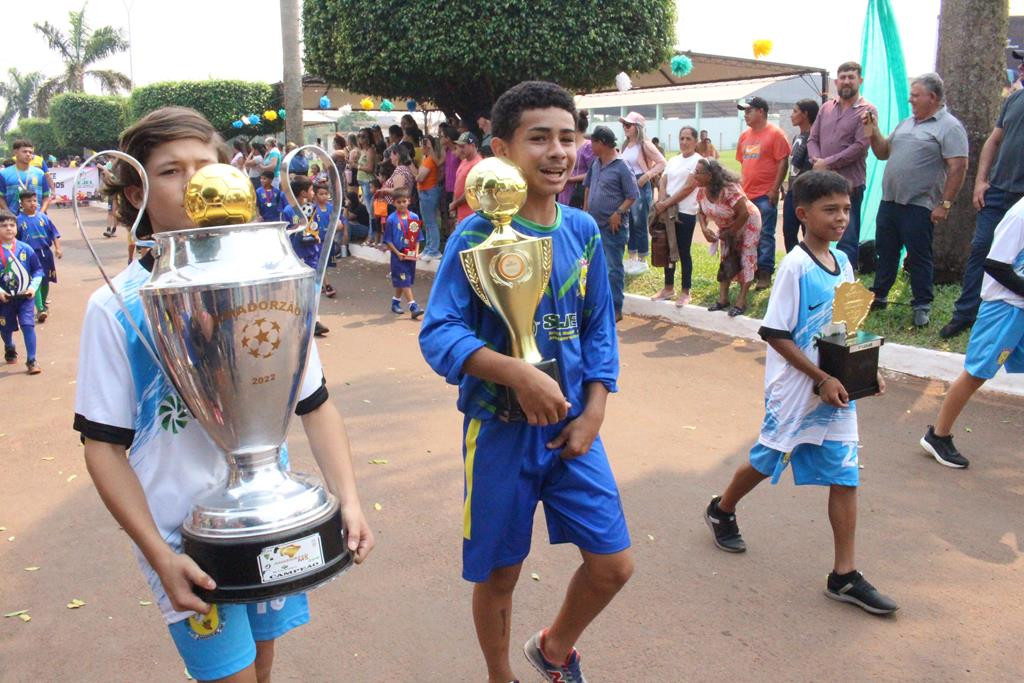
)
(253, 119)
(410, 105)
(325, 102)
(236, 124)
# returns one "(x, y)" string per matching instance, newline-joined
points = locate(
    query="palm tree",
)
(79, 49)
(19, 94)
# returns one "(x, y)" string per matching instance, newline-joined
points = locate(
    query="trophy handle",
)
(134, 163)
(339, 198)
(469, 265)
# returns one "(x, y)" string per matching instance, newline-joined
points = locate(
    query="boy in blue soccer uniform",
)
(556, 457)
(22, 175)
(21, 274)
(322, 208)
(269, 199)
(39, 232)
(402, 237)
(997, 338)
(809, 420)
(148, 457)
(306, 243)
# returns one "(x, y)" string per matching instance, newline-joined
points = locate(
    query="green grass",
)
(894, 323)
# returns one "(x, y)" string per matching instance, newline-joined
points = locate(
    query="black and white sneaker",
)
(943, 450)
(855, 589)
(724, 528)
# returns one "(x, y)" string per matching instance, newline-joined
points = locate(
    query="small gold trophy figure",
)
(851, 356)
(508, 271)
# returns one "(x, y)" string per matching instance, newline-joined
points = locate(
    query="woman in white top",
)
(254, 162)
(678, 192)
(646, 162)
(238, 160)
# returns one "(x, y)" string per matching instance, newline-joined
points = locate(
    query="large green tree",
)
(462, 54)
(80, 48)
(19, 94)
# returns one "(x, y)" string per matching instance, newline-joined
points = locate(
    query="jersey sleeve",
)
(313, 392)
(1008, 241)
(447, 337)
(105, 403)
(783, 305)
(52, 227)
(598, 340)
(389, 230)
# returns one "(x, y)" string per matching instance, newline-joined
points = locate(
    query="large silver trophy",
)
(231, 310)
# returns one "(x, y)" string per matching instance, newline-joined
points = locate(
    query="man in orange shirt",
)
(466, 148)
(763, 152)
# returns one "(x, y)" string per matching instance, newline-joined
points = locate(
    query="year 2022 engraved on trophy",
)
(851, 356)
(231, 308)
(508, 271)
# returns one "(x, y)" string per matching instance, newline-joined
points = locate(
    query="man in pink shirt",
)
(763, 153)
(467, 151)
(838, 143)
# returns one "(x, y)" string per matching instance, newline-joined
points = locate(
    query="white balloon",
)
(622, 82)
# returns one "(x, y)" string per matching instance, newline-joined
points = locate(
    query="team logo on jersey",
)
(202, 626)
(173, 414)
(261, 338)
(584, 267)
(560, 327)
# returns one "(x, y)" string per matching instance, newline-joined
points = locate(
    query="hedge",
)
(220, 101)
(92, 121)
(41, 133)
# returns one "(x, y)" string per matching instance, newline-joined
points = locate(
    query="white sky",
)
(197, 39)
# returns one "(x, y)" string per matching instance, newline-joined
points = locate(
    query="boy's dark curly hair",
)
(509, 108)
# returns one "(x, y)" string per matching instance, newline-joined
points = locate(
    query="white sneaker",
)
(640, 267)
(630, 266)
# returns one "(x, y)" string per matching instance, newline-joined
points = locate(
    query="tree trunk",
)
(292, 77)
(972, 61)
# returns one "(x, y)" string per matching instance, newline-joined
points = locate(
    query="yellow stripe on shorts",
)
(467, 507)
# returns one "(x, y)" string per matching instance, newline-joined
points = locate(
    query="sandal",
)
(718, 306)
(682, 301)
(736, 310)
(662, 296)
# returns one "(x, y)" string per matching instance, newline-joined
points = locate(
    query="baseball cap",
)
(604, 135)
(467, 138)
(634, 117)
(753, 103)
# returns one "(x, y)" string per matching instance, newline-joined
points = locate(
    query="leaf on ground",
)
(25, 617)
(688, 427)
(366, 400)
(47, 457)
(72, 478)
(145, 603)
(535, 576)
(379, 461)
(378, 507)
(10, 538)
(650, 537)
(75, 603)
(15, 614)
(967, 429)
(32, 569)
(3, 528)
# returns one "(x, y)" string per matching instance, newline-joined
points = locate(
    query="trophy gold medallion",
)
(851, 355)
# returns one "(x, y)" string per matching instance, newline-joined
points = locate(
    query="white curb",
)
(909, 360)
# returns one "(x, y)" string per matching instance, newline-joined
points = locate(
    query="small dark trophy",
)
(851, 356)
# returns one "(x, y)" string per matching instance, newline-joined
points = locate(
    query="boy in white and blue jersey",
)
(125, 406)
(997, 338)
(556, 457)
(809, 421)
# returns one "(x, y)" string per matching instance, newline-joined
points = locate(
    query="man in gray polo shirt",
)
(610, 189)
(927, 155)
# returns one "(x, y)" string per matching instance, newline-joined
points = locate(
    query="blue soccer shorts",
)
(508, 470)
(831, 463)
(17, 311)
(997, 339)
(223, 642)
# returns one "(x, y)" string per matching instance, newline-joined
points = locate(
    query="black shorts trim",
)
(314, 400)
(97, 431)
(767, 333)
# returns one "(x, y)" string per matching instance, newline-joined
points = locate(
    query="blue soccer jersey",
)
(322, 218)
(800, 307)
(13, 182)
(574, 323)
(306, 244)
(39, 232)
(270, 203)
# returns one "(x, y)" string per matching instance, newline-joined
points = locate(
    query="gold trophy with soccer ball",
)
(509, 271)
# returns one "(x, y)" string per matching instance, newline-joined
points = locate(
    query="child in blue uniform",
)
(809, 420)
(269, 199)
(556, 457)
(20, 276)
(39, 232)
(997, 338)
(402, 237)
(322, 217)
(307, 242)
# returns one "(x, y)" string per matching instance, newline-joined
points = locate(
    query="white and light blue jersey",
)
(122, 397)
(799, 308)
(1007, 247)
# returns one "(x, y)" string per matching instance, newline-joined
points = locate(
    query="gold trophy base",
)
(509, 409)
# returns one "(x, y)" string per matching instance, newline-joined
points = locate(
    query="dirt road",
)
(947, 545)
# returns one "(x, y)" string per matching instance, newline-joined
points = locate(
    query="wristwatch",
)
(946, 204)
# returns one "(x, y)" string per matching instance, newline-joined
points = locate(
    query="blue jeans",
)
(791, 226)
(898, 226)
(766, 244)
(614, 245)
(638, 220)
(849, 243)
(430, 200)
(997, 203)
(367, 190)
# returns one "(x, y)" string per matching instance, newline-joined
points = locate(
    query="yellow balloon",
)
(366, 103)
(762, 48)
(270, 115)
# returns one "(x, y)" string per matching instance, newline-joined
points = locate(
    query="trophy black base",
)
(270, 566)
(853, 362)
(509, 408)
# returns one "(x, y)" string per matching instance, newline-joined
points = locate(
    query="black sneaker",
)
(724, 527)
(10, 355)
(879, 304)
(953, 328)
(857, 591)
(943, 450)
(320, 329)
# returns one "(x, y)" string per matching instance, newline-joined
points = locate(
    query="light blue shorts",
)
(997, 338)
(831, 463)
(223, 642)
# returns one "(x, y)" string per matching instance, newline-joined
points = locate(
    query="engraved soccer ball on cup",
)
(220, 194)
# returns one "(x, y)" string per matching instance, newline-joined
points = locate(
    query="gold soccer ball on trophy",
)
(219, 194)
(496, 188)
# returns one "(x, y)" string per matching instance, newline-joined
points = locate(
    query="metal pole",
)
(131, 45)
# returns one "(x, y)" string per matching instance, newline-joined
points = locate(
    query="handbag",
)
(659, 242)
